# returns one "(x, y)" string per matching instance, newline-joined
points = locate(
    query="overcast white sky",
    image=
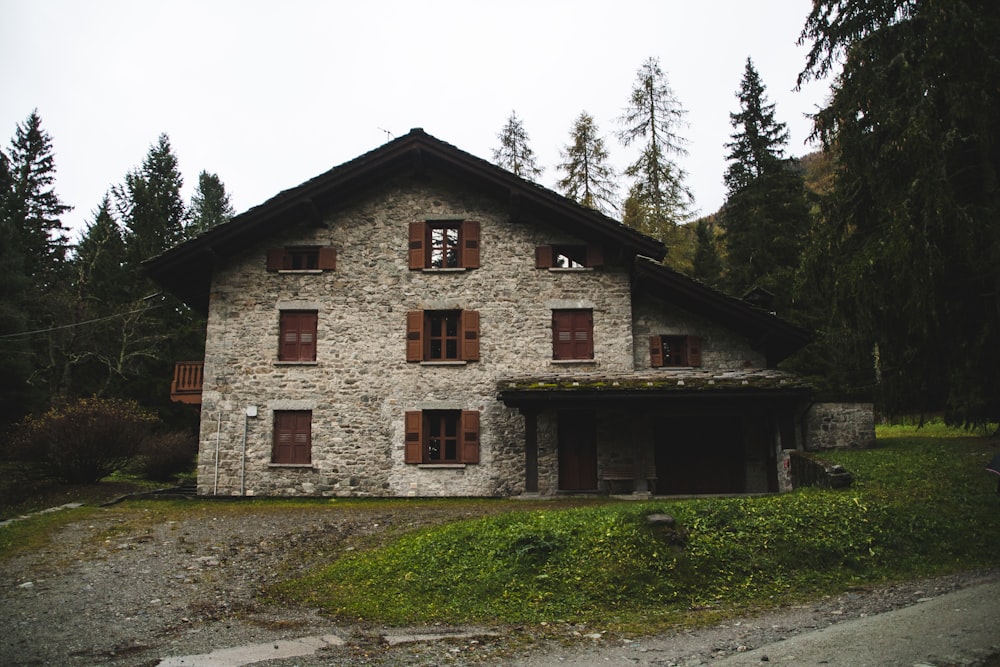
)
(268, 94)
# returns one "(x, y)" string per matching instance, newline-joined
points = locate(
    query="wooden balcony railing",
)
(186, 387)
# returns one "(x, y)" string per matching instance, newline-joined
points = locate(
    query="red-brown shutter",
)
(298, 336)
(275, 259)
(292, 437)
(470, 335)
(693, 351)
(414, 428)
(543, 257)
(415, 335)
(572, 334)
(470, 436)
(418, 232)
(595, 255)
(470, 244)
(328, 259)
(656, 351)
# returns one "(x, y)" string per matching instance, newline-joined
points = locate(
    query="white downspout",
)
(251, 411)
(218, 436)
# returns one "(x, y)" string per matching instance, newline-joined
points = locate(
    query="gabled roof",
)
(186, 269)
(774, 336)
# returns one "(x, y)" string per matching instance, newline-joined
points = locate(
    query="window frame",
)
(419, 339)
(418, 425)
(290, 322)
(674, 351)
(421, 244)
(294, 427)
(573, 334)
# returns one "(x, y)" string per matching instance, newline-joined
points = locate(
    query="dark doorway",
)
(577, 451)
(700, 455)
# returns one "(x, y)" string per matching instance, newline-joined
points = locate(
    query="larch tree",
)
(659, 198)
(515, 153)
(588, 178)
(210, 205)
(913, 213)
(766, 216)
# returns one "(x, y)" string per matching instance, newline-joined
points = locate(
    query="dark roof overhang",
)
(186, 270)
(777, 338)
(683, 389)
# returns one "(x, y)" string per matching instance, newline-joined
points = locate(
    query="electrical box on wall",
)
(251, 411)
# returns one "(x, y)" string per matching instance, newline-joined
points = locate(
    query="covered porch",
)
(686, 433)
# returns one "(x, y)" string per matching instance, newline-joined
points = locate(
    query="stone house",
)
(419, 322)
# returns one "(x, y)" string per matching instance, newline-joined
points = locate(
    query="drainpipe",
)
(218, 435)
(251, 411)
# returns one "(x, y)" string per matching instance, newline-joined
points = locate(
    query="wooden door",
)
(577, 451)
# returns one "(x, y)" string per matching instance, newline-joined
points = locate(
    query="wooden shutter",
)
(415, 335)
(328, 259)
(469, 431)
(543, 257)
(414, 428)
(297, 330)
(275, 259)
(572, 334)
(595, 255)
(470, 244)
(470, 335)
(418, 234)
(693, 351)
(656, 351)
(292, 437)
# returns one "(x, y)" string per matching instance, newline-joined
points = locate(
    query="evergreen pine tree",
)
(653, 116)
(150, 204)
(34, 208)
(707, 264)
(766, 215)
(514, 154)
(589, 179)
(210, 204)
(914, 208)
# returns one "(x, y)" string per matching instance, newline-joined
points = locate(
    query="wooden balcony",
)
(186, 387)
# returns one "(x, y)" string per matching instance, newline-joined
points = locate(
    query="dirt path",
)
(133, 586)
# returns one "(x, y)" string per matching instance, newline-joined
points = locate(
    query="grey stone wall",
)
(361, 384)
(833, 425)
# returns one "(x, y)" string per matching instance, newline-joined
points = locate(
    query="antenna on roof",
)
(390, 134)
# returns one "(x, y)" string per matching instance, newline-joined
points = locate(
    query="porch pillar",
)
(530, 451)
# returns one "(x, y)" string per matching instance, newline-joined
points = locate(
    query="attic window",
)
(674, 351)
(568, 256)
(444, 244)
(302, 258)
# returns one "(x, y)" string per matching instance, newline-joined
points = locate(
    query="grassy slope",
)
(922, 504)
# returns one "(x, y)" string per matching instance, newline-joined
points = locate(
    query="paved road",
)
(958, 628)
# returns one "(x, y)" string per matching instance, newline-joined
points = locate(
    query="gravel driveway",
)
(130, 586)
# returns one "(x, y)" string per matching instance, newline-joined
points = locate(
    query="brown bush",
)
(164, 455)
(84, 441)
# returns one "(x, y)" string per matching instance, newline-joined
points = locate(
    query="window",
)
(444, 244)
(298, 335)
(442, 436)
(442, 335)
(568, 256)
(302, 258)
(674, 351)
(572, 334)
(292, 437)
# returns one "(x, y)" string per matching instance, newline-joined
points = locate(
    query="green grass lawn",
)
(922, 504)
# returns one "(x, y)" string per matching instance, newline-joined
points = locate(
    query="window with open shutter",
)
(444, 244)
(572, 334)
(674, 351)
(302, 258)
(298, 335)
(442, 436)
(442, 335)
(568, 256)
(292, 437)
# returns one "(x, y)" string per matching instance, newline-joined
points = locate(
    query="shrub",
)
(84, 441)
(164, 455)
